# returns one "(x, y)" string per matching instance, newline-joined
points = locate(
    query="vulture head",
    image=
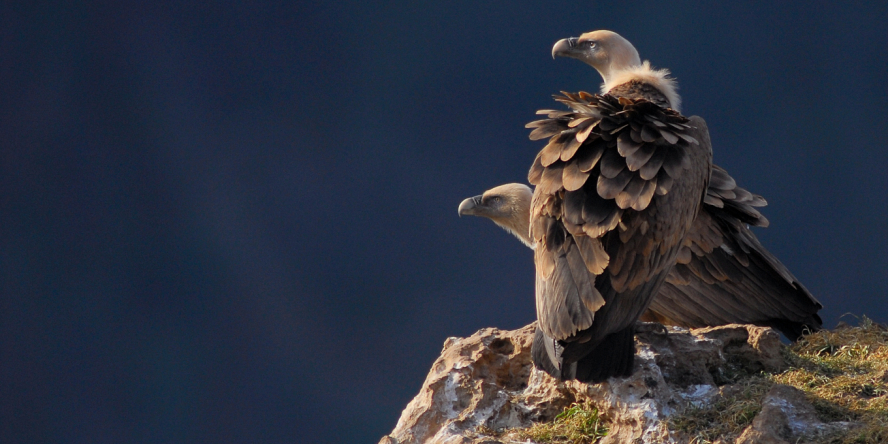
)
(506, 205)
(606, 51)
(617, 61)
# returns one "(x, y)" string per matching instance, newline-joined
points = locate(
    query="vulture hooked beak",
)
(469, 206)
(565, 48)
(506, 205)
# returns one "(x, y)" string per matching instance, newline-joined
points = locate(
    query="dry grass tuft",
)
(844, 373)
(725, 418)
(577, 424)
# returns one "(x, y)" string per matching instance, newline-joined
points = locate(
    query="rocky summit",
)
(484, 389)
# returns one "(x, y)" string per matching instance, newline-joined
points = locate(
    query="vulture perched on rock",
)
(618, 190)
(618, 186)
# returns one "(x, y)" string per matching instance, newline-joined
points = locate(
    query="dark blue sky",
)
(236, 222)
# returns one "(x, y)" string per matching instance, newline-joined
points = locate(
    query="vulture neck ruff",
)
(658, 78)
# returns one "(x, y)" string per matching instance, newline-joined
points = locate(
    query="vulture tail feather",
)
(615, 356)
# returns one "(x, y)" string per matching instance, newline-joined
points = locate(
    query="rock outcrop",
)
(484, 387)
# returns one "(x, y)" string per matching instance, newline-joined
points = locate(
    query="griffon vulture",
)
(723, 275)
(618, 186)
(714, 281)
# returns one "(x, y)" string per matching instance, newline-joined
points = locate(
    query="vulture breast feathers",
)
(618, 186)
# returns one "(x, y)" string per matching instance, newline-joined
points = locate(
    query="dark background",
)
(236, 222)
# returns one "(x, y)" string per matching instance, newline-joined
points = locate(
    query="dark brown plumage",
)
(607, 232)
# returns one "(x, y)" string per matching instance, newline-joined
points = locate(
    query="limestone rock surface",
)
(485, 385)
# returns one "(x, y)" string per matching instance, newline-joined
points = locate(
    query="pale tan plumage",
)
(618, 63)
(506, 205)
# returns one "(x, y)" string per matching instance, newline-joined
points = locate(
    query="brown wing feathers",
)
(724, 275)
(605, 157)
(581, 143)
(724, 193)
